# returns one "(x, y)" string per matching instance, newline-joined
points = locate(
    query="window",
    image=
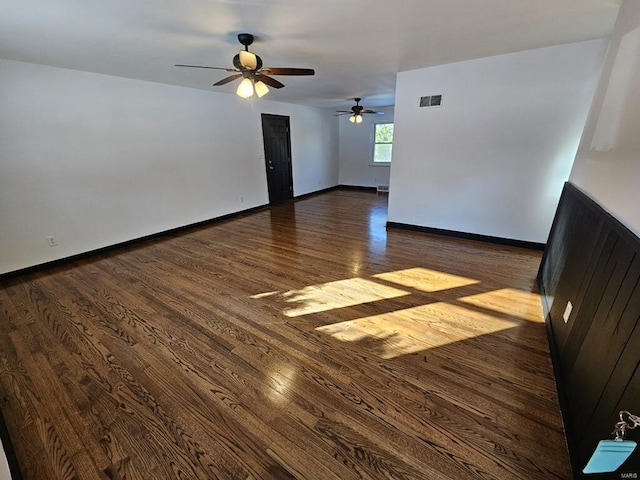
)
(382, 143)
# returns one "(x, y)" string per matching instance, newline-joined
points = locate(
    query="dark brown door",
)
(277, 156)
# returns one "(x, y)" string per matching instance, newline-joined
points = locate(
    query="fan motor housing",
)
(245, 39)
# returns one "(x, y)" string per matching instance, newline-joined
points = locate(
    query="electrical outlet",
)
(241, 199)
(567, 312)
(51, 240)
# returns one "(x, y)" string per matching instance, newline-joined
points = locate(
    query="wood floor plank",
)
(303, 341)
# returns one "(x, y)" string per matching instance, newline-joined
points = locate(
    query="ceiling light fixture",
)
(248, 67)
(356, 112)
(245, 89)
(248, 87)
(261, 88)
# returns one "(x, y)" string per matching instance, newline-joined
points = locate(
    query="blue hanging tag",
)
(609, 455)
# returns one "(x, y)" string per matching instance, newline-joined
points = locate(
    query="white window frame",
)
(372, 163)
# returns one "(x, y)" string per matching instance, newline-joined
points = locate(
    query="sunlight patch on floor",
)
(425, 280)
(411, 330)
(264, 295)
(518, 303)
(414, 329)
(332, 295)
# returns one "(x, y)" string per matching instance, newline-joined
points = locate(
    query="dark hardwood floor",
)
(303, 341)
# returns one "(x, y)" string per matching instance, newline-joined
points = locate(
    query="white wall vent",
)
(431, 101)
(383, 188)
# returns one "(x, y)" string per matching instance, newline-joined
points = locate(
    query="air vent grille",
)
(431, 101)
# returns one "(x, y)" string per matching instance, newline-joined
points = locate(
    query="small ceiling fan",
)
(356, 112)
(255, 77)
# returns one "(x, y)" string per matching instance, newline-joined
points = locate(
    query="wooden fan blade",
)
(212, 68)
(272, 82)
(344, 111)
(228, 79)
(289, 71)
(373, 111)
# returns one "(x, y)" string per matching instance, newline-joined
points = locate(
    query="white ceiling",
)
(355, 46)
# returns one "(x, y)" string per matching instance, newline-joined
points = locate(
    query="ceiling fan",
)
(255, 77)
(356, 112)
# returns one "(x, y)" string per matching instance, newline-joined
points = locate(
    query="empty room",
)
(259, 239)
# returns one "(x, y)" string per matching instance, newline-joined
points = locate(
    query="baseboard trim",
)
(317, 192)
(153, 236)
(358, 187)
(468, 236)
(79, 256)
(128, 243)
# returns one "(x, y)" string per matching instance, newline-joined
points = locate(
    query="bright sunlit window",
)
(382, 143)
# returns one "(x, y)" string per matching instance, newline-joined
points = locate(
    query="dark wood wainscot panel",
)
(593, 261)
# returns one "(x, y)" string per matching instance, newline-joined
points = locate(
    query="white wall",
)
(5, 473)
(356, 148)
(607, 166)
(493, 159)
(96, 160)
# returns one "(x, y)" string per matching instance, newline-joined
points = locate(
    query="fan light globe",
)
(352, 118)
(358, 118)
(261, 88)
(245, 89)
